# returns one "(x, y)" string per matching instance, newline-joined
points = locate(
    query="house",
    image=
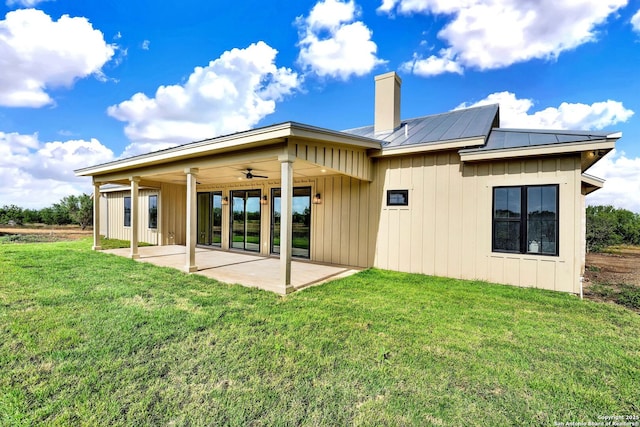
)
(451, 194)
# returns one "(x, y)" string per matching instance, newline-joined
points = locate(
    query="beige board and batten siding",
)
(446, 229)
(112, 221)
(344, 226)
(349, 161)
(173, 214)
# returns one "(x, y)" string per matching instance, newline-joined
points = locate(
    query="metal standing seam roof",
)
(439, 128)
(504, 139)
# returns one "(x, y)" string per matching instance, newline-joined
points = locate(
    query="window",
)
(153, 211)
(397, 197)
(525, 219)
(127, 211)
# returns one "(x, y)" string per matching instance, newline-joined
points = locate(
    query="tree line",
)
(608, 226)
(69, 210)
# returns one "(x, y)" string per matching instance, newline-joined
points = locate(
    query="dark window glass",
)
(397, 197)
(153, 211)
(532, 230)
(127, 211)
(542, 219)
(507, 213)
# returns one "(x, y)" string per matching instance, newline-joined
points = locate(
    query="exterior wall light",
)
(263, 200)
(317, 199)
(225, 200)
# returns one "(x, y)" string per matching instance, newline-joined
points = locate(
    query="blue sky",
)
(86, 82)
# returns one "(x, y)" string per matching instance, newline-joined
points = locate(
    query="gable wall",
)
(446, 229)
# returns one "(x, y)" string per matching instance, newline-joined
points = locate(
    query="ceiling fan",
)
(250, 175)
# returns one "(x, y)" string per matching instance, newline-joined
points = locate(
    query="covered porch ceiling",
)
(231, 173)
(315, 152)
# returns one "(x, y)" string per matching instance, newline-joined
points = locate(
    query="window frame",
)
(524, 220)
(153, 226)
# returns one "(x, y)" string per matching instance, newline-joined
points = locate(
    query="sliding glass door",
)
(301, 221)
(245, 220)
(210, 218)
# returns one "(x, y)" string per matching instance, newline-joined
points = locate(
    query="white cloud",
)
(433, 65)
(622, 185)
(489, 34)
(231, 94)
(333, 44)
(37, 174)
(24, 3)
(37, 53)
(635, 21)
(145, 45)
(514, 113)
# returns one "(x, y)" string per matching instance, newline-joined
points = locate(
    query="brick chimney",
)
(387, 108)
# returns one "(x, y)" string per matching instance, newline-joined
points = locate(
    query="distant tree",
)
(79, 208)
(607, 226)
(31, 216)
(11, 214)
(47, 216)
(628, 226)
(60, 214)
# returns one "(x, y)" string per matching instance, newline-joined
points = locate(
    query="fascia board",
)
(183, 152)
(592, 180)
(334, 137)
(427, 147)
(542, 150)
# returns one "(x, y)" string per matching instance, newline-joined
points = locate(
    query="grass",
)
(92, 339)
(117, 243)
(6, 238)
(623, 294)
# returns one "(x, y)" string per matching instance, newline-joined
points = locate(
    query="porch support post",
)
(135, 223)
(96, 217)
(192, 195)
(286, 226)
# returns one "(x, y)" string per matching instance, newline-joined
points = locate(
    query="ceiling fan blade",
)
(249, 175)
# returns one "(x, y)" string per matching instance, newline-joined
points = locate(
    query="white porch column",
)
(286, 226)
(192, 197)
(135, 223)
(96, 217)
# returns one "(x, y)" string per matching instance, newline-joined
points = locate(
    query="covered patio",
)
(232, 267)
(281, 157)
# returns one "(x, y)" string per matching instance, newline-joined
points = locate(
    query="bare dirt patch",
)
(614, 275)
(48, 233)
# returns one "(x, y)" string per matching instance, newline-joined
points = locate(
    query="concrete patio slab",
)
(239, 267)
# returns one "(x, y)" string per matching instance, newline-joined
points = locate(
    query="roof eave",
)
(427, 147)
(591, 183)
(471, 155)
(240, 140)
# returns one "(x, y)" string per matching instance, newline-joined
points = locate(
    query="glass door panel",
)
(237, 219)
(245, 218)
(210, 218)
(216, 219)
(204, 235)
(301, 216)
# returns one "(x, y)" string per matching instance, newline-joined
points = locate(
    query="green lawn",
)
(88, 338)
